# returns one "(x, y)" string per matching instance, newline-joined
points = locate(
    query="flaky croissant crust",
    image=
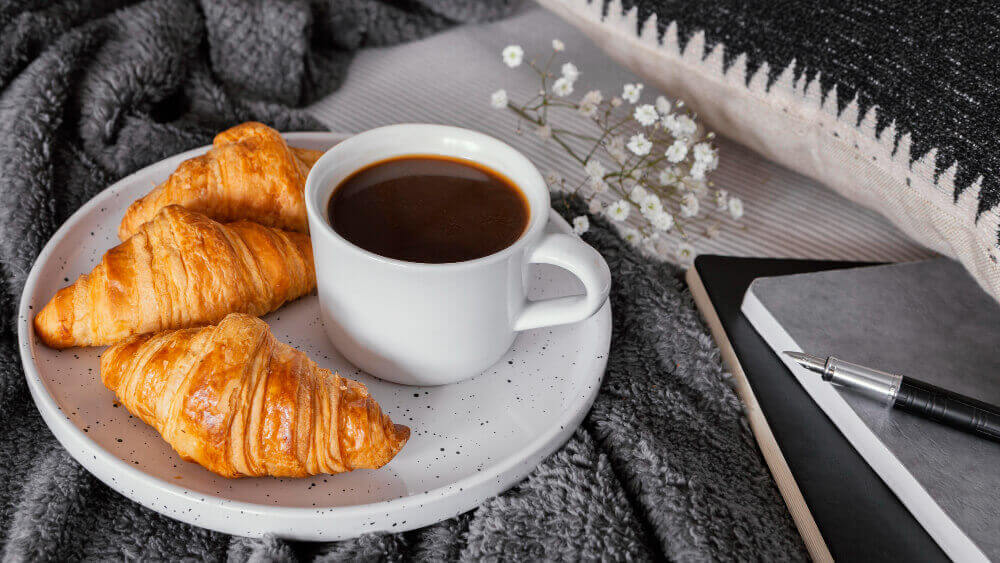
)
(250, 173)
(237, 401)
(179, 270)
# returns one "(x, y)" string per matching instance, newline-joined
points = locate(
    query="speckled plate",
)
(470, 440)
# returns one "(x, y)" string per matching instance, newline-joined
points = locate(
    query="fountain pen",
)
(908, 394)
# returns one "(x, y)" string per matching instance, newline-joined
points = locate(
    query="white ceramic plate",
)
(470, 441)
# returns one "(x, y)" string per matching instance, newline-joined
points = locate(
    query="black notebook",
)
(858, 516)
(929, 320)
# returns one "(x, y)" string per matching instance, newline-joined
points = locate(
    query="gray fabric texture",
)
(664, 465)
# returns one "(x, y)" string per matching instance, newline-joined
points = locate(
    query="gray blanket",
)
(664, 465)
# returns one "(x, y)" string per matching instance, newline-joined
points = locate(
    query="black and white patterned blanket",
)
(930, 68)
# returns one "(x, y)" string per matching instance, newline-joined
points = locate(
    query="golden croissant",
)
(179, 270)
(237, 401)
(250, 173)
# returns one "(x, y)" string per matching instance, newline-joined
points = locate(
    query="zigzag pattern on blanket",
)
(876, 61)
(906, 132)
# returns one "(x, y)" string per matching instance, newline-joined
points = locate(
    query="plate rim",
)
(65, 430)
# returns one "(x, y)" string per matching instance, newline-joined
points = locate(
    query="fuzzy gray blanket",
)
(664, 466)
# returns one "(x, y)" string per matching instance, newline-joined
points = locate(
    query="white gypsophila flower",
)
(638, 194)
(581, 224)
(593, 97)
(686, 126)
(499, 99)
(679, 125)
(589, 102)
(651, 206)
(697, 171)
(562, 87)
(553, 178)
(630, 235)
(676, 152)
(645, 115)
(685, 254)
(689, 205)
(735, 207)
(639, 144)
(713, 162)
(598, 185)
(616, 101)
(713, 230)
(616, 148)
(618, 210)
(662, 221)
(670, 176)
(512, 55)
(698, 187)
(631, 92)
(595, 170)
(662, 105)
(669, 123)
(595, 206)
(703, 152)
(544, 132)
(558, 45)
(721, 199)
(570, 72)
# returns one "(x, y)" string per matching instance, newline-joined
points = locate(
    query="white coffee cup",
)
(431, 324)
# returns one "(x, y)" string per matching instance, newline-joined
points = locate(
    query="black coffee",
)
(428, 208)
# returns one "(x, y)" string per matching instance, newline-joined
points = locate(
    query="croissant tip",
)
(396, 437)
(50, 328)
(402, 433)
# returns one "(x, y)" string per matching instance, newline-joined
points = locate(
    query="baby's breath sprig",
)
(648, 161)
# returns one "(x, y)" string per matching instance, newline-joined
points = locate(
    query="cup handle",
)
(582, 261)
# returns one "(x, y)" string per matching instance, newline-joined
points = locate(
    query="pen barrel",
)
(953, 409)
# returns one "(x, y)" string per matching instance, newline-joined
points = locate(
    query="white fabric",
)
(449, 77)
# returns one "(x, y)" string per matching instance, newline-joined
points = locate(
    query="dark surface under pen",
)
(858, 515)
(928, 320)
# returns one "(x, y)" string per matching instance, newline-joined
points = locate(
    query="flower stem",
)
(577, 135)
(555, 137)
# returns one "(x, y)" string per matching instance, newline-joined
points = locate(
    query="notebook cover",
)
(857, 514)
(929, 320)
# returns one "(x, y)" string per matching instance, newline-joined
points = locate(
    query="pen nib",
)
(808, 361)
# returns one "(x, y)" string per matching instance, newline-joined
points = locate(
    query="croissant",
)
(179, 270)
(250, 173)
(237, 401)
(308, 157)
